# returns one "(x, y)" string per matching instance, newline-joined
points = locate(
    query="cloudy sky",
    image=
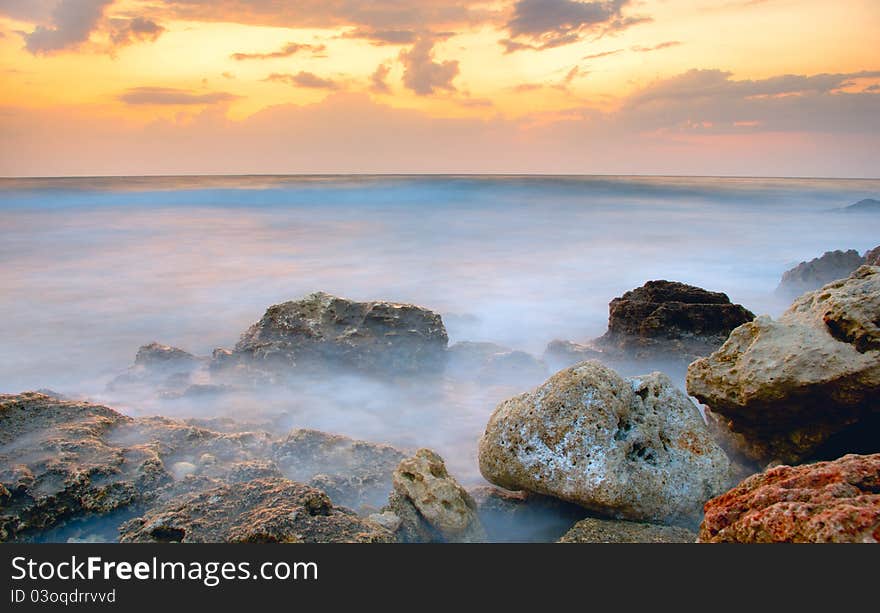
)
(708, 87)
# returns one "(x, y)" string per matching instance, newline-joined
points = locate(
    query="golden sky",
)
(650, 86)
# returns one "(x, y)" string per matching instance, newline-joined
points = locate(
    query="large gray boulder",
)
(327, 331)
(635, 448)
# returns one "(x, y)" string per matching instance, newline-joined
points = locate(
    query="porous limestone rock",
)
(423, 482)
(635, 448)
(825, 502)
(805, 386)
(596, 530)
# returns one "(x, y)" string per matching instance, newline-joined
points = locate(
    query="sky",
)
(680, 87)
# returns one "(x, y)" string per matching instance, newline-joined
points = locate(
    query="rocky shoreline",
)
(787, 450)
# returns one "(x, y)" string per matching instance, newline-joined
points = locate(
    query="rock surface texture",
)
(422, 484)
(805, 386)
(668, 317)
(266, 510)
(594, 530)
(320, 330)
(826, 502)
(872, 257)
(635, 448)
(807, 276)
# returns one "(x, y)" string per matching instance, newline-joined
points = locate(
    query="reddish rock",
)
(826, 502)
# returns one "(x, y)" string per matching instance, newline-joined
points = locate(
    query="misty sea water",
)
(92, 268)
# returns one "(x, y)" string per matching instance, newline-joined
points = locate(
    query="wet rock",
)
(561, 354)
(353, 473)
(872, 257)
(595, 530)
(826, 502)
(868, 205)
(493, 364)
(157, 368)
(422, 484)
(635, 448)
(667, 317)
(805, 386)
(259, 511)
(523, 517)
(323, 330)
(467, 358)
(156, 356)
(808, 276)
(56, 462)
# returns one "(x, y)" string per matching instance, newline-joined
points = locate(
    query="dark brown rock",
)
(668, 317)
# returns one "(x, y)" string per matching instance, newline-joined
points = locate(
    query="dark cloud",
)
(138, 29)
(286, 51)
(666, 45)
(422, 74)
(383, 37)
(378, 80)
(303, 79)
(171, 96)
(72, 21)
(544, 24)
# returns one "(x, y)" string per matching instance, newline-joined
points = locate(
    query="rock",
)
(198, 390)
(805, 386)
(561, 354)
(493, 364)
(323, 330)
(56, 462)
(353, 473)
(523, 517)
(387, 519)
(156, 356)
(635, 448)
(594, 530)
(826, 502)
(807, 276)
(259, 511)
(872, 257)
(868, 205)
(667, 317)
(423, 482)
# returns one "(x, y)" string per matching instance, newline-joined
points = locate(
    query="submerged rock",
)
(443, 509)
(323, 330)
(523, 517)
(158, 367)
(635, 448)
(260, 511)
(667, 317)
(156, 356)
(353, 473)
(562, 354)
(805, 386)
(493, 364)
(56, 462)
(807, 276)
(826, 502)
(868, 205)
(595, 530)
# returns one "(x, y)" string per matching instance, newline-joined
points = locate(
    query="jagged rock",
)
(56, 463)
(523, 517)
(667, 317)
(353, 473)
(561, 354)
(635, 448)
(266, 510)
(323, 330)
(807, 276)
(837, 501)
(872, 257)
(422, 485)
(805, 386)
(868, 205)
(595, 530)
(163, 368)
